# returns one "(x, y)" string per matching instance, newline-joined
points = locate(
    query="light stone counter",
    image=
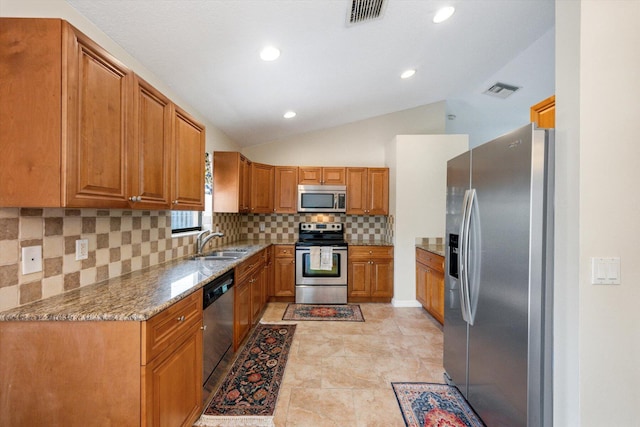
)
(432, 244)
(135, 296)
(369, 242)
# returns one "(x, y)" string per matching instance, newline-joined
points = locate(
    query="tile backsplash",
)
(121, 241)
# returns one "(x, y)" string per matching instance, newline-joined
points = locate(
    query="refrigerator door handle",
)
(471, 303)
(464, 255)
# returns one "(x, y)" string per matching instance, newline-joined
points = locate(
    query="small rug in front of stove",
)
(248, 394)
(343, 312)
(430, 405)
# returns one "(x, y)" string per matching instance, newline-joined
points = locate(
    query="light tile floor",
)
(340, 373)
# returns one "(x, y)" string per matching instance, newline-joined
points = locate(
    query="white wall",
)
(597, 341)
(216, 139)
(418, 183)
(359, 143)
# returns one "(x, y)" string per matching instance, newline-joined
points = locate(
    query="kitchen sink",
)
(220, 255)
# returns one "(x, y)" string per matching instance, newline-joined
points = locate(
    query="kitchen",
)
(591, 298)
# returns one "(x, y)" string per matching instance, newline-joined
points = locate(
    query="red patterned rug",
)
(434, 405)
(248, 394)
(344, 312)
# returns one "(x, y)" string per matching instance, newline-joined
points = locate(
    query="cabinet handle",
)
(180, 319)
(203, 327)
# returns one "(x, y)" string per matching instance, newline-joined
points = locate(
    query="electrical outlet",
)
(82, 249)
(31, 259)
(261, 226)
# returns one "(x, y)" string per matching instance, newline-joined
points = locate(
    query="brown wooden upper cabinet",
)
(78, 129)
(543, 114)
(150, 151)
(286, 189)
(368, 191)
(231, 182)
(188, 172)
(321, 175)
(262, 177)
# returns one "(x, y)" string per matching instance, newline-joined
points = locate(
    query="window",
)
(182, 221)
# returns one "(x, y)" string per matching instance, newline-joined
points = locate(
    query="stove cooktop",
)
(321, 234)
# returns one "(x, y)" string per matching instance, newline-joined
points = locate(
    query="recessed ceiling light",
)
(443, 14)
(407, 74)
(289, 114)
(269, 53)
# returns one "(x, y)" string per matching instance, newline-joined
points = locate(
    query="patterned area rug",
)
(434, 405)
(248, 394)
(344, 312)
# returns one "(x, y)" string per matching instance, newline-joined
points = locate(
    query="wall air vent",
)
(501, 90)
(365, 10)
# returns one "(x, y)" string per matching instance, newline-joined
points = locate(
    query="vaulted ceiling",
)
(330, 72)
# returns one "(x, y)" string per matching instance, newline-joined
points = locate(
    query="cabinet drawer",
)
(248, 266)
(368, 252)
(283, 251)
(430, 259)
(163, 329)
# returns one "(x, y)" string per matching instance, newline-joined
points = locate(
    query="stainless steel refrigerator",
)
(499, 278)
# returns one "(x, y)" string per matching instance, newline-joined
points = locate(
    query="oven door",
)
(305, 275)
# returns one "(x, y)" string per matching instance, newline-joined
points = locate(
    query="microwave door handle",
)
(335, 201)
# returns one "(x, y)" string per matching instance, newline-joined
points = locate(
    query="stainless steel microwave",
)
(322, 198)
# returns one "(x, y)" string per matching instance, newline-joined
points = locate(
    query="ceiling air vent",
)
(365, 10)
(501, 90)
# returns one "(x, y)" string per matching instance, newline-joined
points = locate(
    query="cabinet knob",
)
(135, 198)
(370, 252)
(175, 202)
(180, 319)
(203, 327)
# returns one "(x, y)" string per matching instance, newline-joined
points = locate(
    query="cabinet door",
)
(422, 275)
(333, 176)
(257, 298)
(382, 278)
(245, 185)
(188, 178)
(150, 148)
(377, 191)
(359, 278)
(286, 189)
(261, 188)
(97, 104)
(356, 191)
(284, 277)
(241, 312)
(543, 114)
(309, 175)
(173, 384)
(436, 295)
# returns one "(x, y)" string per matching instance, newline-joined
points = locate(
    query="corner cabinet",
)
(79, 129)
(153, 370)
(370, 274)
(231, 182)
(430, 283)
(262, 186)
(367, 191)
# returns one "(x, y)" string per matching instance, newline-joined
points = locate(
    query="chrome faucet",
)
(203, 238)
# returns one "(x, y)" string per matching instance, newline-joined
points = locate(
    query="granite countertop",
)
(135, 296)
(431, 244)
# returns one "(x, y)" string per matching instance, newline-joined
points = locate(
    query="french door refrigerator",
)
(499, 278)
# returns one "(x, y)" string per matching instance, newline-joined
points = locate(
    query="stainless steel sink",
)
(220, 255)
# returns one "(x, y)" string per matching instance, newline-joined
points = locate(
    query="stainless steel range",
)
(321, 264)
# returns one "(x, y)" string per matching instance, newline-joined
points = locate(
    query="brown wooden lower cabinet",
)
(370, 275)
(249, 297)
(430, 283)
(284, 272)
(123, 373)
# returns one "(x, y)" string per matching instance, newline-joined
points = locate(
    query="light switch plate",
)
(605, 271)
(31, 259)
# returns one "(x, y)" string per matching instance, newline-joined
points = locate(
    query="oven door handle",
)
(308, 248)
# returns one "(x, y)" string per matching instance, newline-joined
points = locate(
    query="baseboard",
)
(405, 303)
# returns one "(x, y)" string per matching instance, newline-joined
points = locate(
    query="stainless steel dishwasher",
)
(217, 336)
